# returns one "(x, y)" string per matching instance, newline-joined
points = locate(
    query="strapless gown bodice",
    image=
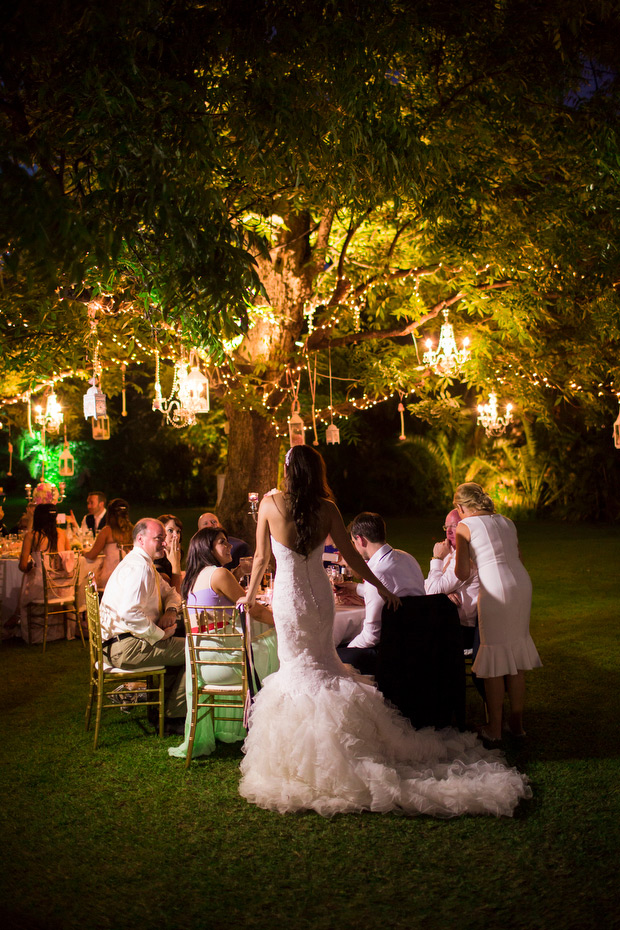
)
(321, 737)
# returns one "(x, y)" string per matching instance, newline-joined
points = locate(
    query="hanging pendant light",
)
(194, 387)
(446, 359)
(51, 419)
(617, 432)
(490, 419)
(101, 428)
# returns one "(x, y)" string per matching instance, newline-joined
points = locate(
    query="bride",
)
(321, 737)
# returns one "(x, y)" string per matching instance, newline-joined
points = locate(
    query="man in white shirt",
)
(399, 572)
(139, 618)
(95, 519)
(442, 580)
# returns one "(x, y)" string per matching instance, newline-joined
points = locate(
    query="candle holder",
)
(253, 501)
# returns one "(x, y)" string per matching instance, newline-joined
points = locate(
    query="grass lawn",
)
(124, 838)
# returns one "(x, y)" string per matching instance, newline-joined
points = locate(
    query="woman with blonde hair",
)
(506, 647)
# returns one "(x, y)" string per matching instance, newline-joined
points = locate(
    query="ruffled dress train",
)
(322, 738)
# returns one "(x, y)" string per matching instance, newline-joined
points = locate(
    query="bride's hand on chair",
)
(246, 603)
(390, 599)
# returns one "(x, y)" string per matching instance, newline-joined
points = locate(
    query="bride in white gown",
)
(321, 737)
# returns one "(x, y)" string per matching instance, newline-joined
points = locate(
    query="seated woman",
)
(170, 564)
(43, 535)
(114, 541)
(208, 583)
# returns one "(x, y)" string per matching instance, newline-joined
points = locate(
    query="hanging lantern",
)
(332, 435)
(101, 428)
(95, 404)
(617, 432)
(296, 428)
(490, 419)
(446, 359)
(66, 462)
(194, 387)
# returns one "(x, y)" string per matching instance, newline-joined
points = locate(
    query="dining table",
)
(12, 582)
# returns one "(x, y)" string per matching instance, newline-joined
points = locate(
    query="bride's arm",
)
(224, 582)
(339, 534)
(261, 556)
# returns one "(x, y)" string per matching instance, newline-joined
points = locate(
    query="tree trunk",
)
(253, 453)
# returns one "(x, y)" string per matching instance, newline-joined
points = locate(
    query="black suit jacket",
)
(90, 522)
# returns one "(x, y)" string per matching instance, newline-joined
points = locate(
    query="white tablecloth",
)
(347, 623)
(11, 580)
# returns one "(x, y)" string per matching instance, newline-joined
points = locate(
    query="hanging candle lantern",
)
(332, 434)
(617, 432)
(66, 462)
(296, 428)
(101, 428)
(94, 402)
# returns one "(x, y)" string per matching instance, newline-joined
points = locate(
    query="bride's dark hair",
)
(306, 487)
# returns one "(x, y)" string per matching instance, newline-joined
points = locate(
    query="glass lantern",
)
(66, 462)
(296, 428)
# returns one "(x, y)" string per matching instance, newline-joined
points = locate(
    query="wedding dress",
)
(323, 738)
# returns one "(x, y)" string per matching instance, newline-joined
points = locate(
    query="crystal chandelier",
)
(51, 419)
(490, 419)
(189, 394)
(446, 359)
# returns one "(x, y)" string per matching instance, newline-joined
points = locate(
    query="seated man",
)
(95, 519)
(442, 580)
(239, 546)
(398, 571)
(139, 618)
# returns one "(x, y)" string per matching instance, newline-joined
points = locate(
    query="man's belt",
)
(115, 639)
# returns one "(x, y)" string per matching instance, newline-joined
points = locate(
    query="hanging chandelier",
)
(446, 359)
(490, 419)
(188, 396)
(50, 419)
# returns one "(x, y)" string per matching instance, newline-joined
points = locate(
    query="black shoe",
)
(174, 726)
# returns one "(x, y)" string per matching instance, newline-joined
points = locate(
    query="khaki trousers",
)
(133, 652)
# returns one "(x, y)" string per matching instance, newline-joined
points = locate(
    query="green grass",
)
(126, 838)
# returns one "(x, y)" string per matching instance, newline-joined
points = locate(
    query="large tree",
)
(325, 177)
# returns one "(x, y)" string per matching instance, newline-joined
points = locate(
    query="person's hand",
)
(72, 521)
(441, 549)
(169, 619)
(173, 551)
(169, 631)
(454, 597)
(246, 602)
(392, 600)
(343, 586)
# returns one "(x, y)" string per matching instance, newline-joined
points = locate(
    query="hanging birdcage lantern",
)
(66, 462)
(101, 428)
(617, 432)
(296, 427)
(332, 434)
(95, 402)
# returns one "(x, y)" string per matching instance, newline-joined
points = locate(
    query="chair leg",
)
(44, 627)
(89, 705)
(162, 700)
(98, 716)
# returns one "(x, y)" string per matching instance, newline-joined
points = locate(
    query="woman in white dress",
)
(504, 603)
(321, 737)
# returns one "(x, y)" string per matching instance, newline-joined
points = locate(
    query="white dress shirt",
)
(442, 580)
(98, 519)
(134, 599)
(401, 574)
